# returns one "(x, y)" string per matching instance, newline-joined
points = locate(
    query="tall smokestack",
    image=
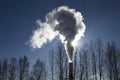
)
(70, 50)
(71, 77)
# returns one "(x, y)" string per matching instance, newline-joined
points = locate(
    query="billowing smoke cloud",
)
(64, 22)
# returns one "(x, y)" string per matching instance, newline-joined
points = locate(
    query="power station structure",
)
(70, 51)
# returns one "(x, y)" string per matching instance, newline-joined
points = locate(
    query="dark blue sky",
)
(18, 20)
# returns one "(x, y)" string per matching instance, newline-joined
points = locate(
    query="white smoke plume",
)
(64, 22)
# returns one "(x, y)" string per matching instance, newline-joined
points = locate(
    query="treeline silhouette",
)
(92, 61)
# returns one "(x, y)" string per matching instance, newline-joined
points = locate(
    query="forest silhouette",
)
(92, 61)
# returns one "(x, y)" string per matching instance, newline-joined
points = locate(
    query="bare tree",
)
(59, 58)
(39, 70)
(113, 66)
(86, 60)
(5, 69)
(116, 61)
(81, 65)
(23, 68)
(32, 77)
(51, 63)
(93, 60)
(58, 63)
(100, 56)
(12, 69)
